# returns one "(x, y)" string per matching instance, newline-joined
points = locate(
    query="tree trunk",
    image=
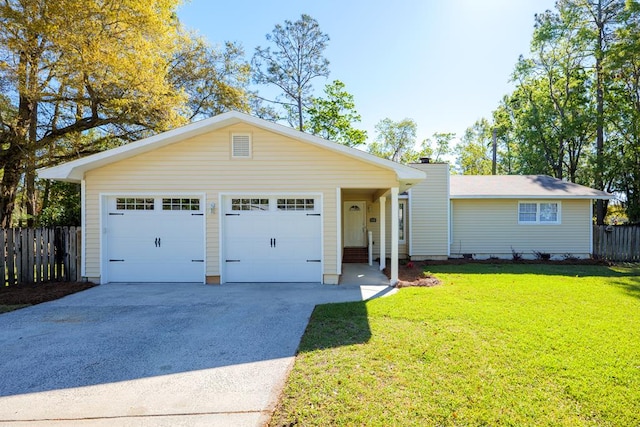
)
(301, 125)
(30, 167)
(30, 190)
(9, 186)
(599, 180)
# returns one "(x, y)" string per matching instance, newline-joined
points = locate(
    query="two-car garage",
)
(264, 238)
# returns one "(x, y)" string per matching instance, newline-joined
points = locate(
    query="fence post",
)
(11, 257)
(71, 257)
(78, 254)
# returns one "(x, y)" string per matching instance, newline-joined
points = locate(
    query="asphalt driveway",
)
(156, 354)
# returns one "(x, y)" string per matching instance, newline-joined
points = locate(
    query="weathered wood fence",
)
(36, 255)
(617, 242)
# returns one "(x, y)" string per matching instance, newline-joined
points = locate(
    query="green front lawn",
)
(493, 345)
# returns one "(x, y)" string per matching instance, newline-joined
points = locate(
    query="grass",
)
(514, 345)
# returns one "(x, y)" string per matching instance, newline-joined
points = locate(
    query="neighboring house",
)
(238, 199)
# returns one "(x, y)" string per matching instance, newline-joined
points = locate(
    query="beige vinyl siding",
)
(204, 164)
(489, 227)
(429, 213)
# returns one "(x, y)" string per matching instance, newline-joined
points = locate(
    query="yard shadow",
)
(631, 287)
(336, 325)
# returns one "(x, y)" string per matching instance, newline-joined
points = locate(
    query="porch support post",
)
(394, 236)
(383, 232)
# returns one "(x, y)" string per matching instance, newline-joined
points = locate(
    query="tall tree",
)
(473, 152)
(623, 98)
(597, 21)
(438, 145)
(395, 140)
(74, 66)
(70, 67)
(551, 104)
(333, 116)
(297, 59)
(214, 79)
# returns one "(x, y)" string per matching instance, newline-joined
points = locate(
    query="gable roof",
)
(74, 170)
(519, 187)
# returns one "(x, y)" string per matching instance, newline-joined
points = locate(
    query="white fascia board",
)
(74, 170)
(529, 196)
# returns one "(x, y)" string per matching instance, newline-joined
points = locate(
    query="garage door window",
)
(296, 204)
(134, 204)
(250, 204)
(180, 204)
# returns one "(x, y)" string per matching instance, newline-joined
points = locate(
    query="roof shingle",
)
(521, 187)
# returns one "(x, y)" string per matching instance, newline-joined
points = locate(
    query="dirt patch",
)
(420, 282)
(412, 274)
(36, 293)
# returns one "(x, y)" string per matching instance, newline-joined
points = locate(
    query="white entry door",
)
(272, 239)
(354, 224)
(154, 239)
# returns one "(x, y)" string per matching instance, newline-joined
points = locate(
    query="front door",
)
(354, 224)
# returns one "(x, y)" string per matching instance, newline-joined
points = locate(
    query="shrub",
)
(515, 256)
(542, 256)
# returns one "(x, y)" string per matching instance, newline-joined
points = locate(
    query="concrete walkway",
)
(363, 274)
(157, 354)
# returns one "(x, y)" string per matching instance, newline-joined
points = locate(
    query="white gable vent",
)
(241, 145)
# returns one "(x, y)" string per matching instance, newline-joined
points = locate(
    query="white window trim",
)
(248, 135)
(403, 203)
(538, 203)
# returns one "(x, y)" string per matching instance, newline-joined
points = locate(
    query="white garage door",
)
(155, 239)
(272, 239)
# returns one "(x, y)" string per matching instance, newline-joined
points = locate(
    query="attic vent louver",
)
(241, 145)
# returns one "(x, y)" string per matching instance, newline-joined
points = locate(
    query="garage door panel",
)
(151, 271)
(154, 245)
(272, 246)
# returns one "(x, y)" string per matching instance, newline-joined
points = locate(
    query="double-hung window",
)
(538, 212)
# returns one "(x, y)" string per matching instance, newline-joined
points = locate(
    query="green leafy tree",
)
(214, 79)
(72, 69)
(599, 18)
(333, 116)
(437, 146)
(473, 153)
(296, 60)
(623, 98)
(395, 140)
(62, 205)
(551, 104)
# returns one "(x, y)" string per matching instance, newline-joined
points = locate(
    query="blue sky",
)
(443, 63)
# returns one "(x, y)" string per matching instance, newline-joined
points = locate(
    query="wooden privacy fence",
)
(617, 242)
(36, 255)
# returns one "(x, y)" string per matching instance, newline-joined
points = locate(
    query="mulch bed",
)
(411, 274)
(31, 293)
